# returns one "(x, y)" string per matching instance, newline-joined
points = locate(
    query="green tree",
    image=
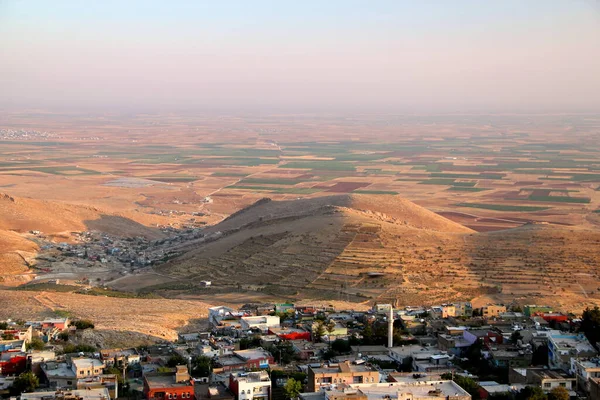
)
(318, 331)
(36, 344)
(292, 388)
(531, 393)
(3, 326)
(559, 393)
(176, 359)
(7, 336)
(26, 382)
(590, 324)
(201, 366)
(341, 346)
(112, 370)
(82, 324)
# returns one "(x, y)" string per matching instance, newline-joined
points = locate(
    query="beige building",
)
(85, 367)
(340, 373)
(492, 310)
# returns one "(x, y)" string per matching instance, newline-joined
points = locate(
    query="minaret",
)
(391, 327)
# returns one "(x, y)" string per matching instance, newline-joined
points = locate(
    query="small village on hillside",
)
(282, 351)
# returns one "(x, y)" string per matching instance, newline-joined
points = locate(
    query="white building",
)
(563, 346)
(262, 322)
(252, 385)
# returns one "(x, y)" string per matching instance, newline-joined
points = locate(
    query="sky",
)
(364, 56)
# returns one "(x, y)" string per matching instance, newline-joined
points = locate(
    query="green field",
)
(375, 192)
(502, 207)
(560, 199)
(322, 165)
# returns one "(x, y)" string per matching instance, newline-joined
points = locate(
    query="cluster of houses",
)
(244, 347)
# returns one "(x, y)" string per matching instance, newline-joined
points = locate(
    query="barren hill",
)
(362, 248)
(347, 247)
(56, 220)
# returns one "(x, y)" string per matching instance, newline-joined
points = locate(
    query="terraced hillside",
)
(362, 248)
(348, 247)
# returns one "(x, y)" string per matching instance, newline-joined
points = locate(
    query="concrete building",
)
(262, 322)
(169, 386)
(119, 357)
(492, 310)
(65, 375)
(249, 386)
(421, 390)
(216, 315)
(340, 373)
(562, 346)
(87, 394)
(585, 371)
(532, 309)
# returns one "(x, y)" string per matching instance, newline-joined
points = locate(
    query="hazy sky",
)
(446, 55)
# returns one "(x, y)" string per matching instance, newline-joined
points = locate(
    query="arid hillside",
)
(117, 320)
(362, 248)
(56, 221)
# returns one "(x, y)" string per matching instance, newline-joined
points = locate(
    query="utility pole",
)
(391, 327)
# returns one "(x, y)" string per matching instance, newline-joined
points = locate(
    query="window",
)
(547, 384)
(69, 382)
(563, 384)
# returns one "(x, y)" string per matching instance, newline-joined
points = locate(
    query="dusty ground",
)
(139, 319)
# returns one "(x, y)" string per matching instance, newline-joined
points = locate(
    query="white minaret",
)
(391, 327)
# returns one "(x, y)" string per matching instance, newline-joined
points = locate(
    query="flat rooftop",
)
(56, 370)
(417, 389)
(164, 381)
(86, 394)
(342, 368)
(87, 363)
(253, 354)
(252, 377)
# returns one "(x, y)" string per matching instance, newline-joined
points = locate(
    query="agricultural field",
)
(193, 170)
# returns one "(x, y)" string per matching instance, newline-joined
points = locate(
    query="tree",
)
(292, 388)
(36, 344)
(531, 393)
(176, 359)
(201, 366)
(3, 326)
(115, 371)
(7, 336)
(590, 324)
(82, 324)
(26, 382)
(516, 336)
(341, 346)
(318, 331)
(559, 393)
